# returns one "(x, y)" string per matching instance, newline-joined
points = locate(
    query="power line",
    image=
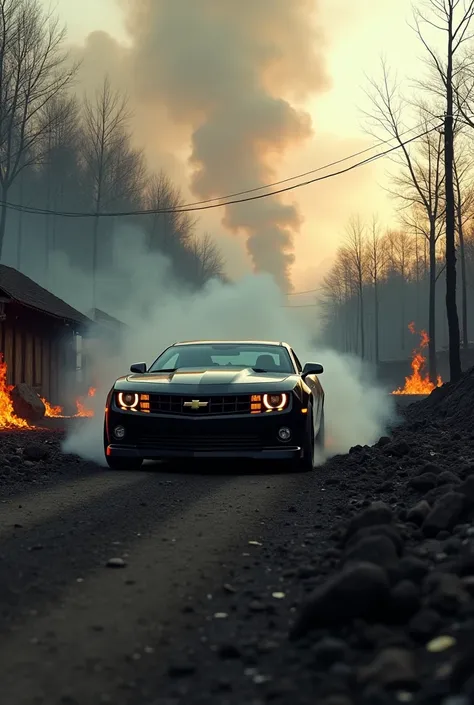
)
(189, 208)
(308, 291)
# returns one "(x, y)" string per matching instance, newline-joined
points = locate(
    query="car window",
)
(266, 357)
(298, 363)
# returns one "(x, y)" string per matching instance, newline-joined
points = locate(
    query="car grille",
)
(200, 442)
(214, 405)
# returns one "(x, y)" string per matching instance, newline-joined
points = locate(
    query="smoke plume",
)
(158, 313)
(228, 72)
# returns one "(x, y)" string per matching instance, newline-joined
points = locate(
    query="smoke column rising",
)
(159, 313)
(229, 70)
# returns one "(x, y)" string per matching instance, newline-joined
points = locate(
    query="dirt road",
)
(200, 599)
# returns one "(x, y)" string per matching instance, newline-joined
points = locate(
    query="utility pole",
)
(455, 369)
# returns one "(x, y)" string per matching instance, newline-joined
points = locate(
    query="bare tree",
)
(355, 248)
(210, 263)
(402, 251)
(419, 184)
(34, 69)
(452, 18)
(464, 203)
(167, 232)
(57, 161)
(105, 123)
(376, 259)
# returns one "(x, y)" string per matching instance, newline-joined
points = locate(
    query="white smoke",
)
(139, 290)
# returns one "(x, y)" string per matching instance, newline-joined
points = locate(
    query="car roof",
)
(232, 342)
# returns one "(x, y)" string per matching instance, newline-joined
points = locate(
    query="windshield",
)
(268, 358)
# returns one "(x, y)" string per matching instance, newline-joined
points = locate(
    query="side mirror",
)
(312, 368)
(139, 368)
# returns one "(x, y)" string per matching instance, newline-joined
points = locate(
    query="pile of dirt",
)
(453, 403)
(391, 616)
(32, 458)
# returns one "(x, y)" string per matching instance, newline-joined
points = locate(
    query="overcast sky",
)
(356, 33)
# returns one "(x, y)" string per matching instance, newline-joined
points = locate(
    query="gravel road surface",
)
(195, 603)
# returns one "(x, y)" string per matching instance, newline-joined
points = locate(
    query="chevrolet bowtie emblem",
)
(196, 404)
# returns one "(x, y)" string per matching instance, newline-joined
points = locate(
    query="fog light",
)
(284, 434)
(119, 432)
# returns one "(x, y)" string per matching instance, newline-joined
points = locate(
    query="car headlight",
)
(275, 402)
(127, 400)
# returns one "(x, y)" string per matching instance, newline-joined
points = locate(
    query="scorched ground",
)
(350, 584)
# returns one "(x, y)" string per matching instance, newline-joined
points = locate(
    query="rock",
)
(467, 489)
(375, 514)
(359, 591)
(329, 651)
(35, 452)
(116, 563)
(373, 549)
(424, 625)
(399, 449)
(448, 478)
(446, 592)
(419, 512)
(383, 441)
(445, 514)
(378, 530)
(405, 600)
(391, 668)
(424, 482)
(26, 403)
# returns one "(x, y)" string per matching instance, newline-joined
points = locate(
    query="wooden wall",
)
(37, 351)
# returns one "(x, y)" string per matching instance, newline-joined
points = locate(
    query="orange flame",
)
(83, 411)
(416, 383)
(81, 406)
(8, 419)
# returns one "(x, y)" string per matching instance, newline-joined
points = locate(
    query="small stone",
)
(441, 643)
(373, 549)
(424, 625)
(116, 563)
(424, 482)
(445, 514)
(419, 512)
(392, 668)
(359, 591)
(376, 513)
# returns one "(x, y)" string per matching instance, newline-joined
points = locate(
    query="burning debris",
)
(8, 418)
(57, 412)
(416, 384)
(11, 418)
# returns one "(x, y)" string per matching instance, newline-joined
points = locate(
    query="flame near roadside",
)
(10, 421)
(417, 383)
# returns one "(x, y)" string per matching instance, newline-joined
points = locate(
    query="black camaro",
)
(225, 399)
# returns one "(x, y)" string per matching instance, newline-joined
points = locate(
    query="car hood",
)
(195, 377)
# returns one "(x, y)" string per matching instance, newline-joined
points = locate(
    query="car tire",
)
(321, 434)
(120, 463)
(124, 463)
(306, 463)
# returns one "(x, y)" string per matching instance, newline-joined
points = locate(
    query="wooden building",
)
(38, 337)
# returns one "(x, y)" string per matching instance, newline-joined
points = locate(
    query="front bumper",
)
(164, 437)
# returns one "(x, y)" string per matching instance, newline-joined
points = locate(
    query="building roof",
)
(99, 316)
(27, 292)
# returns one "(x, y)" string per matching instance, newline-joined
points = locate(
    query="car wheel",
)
(320, 436)
(120, 463)
(306, 463)
(124, 463)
